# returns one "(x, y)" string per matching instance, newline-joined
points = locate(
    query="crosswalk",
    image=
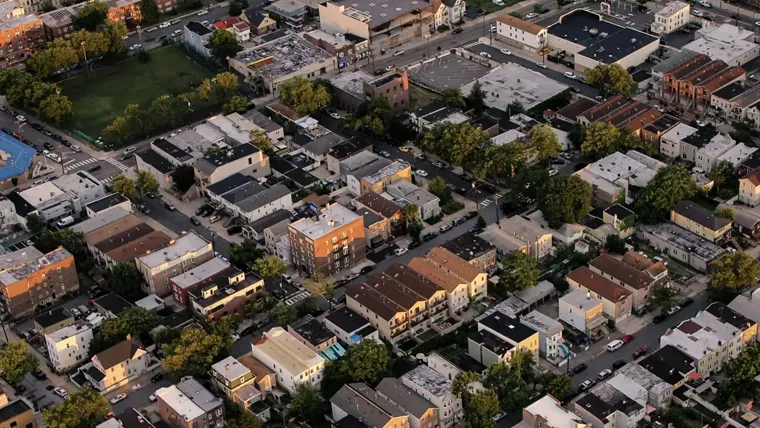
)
(74, 164)
(295, 298)
(491, 199)
(117, 164)
(471, 44)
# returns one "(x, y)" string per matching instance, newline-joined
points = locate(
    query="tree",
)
(476, 99)
(306, 306)
(514, 108)
(18, 91)
(303, 96)
(72, 241)
(544, 141)
(194, 352)
(726, 213)
(662, 296)
(95, 44)
(565, 199)
(460, 385)
(520, 272)
(55, 108)
(59, 55)
(167, 335)
(375, 116)
(225, 85)
(734, 271)
(740, 373)
(133, 321)
(125, 186)
(245, 420)
(146, 182)
(410, 213)
(269, 267)
(453, 97)
(90, 16)
(601, 139)
(321, 286)
(438, 187)
(558, 386)
(235, 9)
(115, 31)
(236, 104)
(615, 245)
(34, 223)
(611, 79)
(481, 406)
(669, 185)
(125, 278)
(84, 407)
(149, 11)
(481, 222)
(721, 173)
(285, 315)
(244, 256)
(223, 44)
(366, 362)
(16, 360)
(456, 143)
(260, 139)
(308, 404)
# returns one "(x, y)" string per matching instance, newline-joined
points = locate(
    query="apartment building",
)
(636, 281)
(390, 174)
(329, 243)
(27, 282)
(404, 192)
(520, 33)
(499, 336)
(189, 405)
(449, 12)
(22, 33)
(245, 158)
(53, 319)
(291, 361)
(457, 289)
(357, 87)
(422, 413)
(381, 205)
(317, 337)
(247, 199)
(734, 100)
(537, 239)
(549, 334)
(460, 269)
(236, 381)
(581, 311)
(682, 245)
(69, 346)
(377, 230)
(436, 388)
(673, 16)
(701, 221)
(117, 365)
(607, 406)
(367, 406)
(474, 250)
(181, 255)
(226, 295)
(548, 412)
(616, 299)
(17, 413)
(185, 284)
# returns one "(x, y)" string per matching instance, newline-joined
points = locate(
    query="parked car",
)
(457, 221)
(400, 251)
(438, 164)
(398, 53)
(686, 302)
(118, 398)
(615, 345)
(414, 244)
(541, 65)
(531, 15)
(234, 230)
(619, 363)
(39, 374)
(445, 228)
(506, 51)
(421, 173)
(169, 206)
(156, 377)
(627, 338)
(604, 374)
(457, 31)
(641, 351)
(367, 269)
(195, 221)
(471, 215)
(570, 75)
(579, 368)
(430, 235)
(214, 219)
(485, 55)
(75, 312)
(673, 310)
(586, 385)
(60, 392)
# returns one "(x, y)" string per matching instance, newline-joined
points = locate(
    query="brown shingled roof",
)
(112, 229)
(413, 280)
(374, 301)
(379, 204)
(431, 271)
(621, 271)
(455, 264)
(689, 327)
(643, 119)
(598, 284)
(118, 353)
(605, 108)
(753, 177)
(520, 24)
(149, 242)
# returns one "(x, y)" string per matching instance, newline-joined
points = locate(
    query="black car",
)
(659, 318)
(686, 302)
(234, 230)
(429, 236)
(736, 16)
(7, 131)
(471, 215)
(57, 137)
(48, 146)
(156, 377)
(36, 126)
(39, 374)
(579, 368)
(414, 244)
(367, 269)
(38, 148)
(195, 221)
(575, 89)
(200, 210)
(457, 31)
(66, 143)
(94, 168)
(619, 363)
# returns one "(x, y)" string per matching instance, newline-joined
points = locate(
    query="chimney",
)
(129, 337)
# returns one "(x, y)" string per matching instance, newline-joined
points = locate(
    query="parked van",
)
(615, 345)
(65, 221)
(75, 148)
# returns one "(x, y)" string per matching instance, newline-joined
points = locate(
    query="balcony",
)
(595, 322)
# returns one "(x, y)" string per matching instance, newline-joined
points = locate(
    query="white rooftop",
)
(77, 183)
(200, 273)
(513, 82)
(68, 331)
(230, 368)
(507, 137)
(150, 302)
(696, 345)
(429, 380)
(737, 154)
(679, 132)
(630, 388)
(229, 128)
(718, 145)
(555, 415)
(39, 195)
(387, 171)
(101, 220)
(332, 217)
(671, 8)
(352, 82)
(180, 403)
(727, 42)
(191, 242)
(579, 298)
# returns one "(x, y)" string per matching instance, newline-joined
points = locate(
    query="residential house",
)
(377, 230)
(460, 269)
(196, 37)
(673, 16)
(292, 361)
(701, 221)
(746, 222)
(520, 33)
(581, 311)
(117, 365)
(256, 230)
(190, 405)
(749, 188)
(436, 113)
(236, 381)
(265, 379)
(226, 295)
(259, 23)
(549, 335)
(245, 159)
(449, 12)
(498, 336)
(367, 406)
(617, 300)
(18, 413)
(316, 336)
(181, 255)
(548, 411)
(383, 206)
(289, 12)
(436, 388)
(111, 305)
(634, 280)
(608, 406)
(422, 413)
(528, 236)
(473, 249)
(238, 27)
(186, 283)
(356, 87)
(156, 165)
(457, 288)
(350, 327)
(69, 346)
(407, 193)
(345, 150)
(380, 180)
(107, 203)
(53, 319)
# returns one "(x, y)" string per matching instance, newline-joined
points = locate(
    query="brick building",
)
(20, 34)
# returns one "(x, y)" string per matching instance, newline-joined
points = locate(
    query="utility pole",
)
(496, 204)
(139, 33)
(84, 52)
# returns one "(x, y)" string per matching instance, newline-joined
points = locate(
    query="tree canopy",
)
(308, 404)
(303, 96)
(125, 278)
(16, 360)
(195, 351)
(223, 44)
(453, 97)
(543, 141)
(611, 79)
(134, 321)
(520, 271)
(734, 271)
(244, 256)
(367, 361)
(269, 267)
(455, 143)
(564, 199)
(83, 408)
(90, 16)
(72, 241)
(669, 185)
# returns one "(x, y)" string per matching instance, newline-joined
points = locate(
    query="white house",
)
(672, 17)
(196, 37)
(450, 12)
(69, 346)
(523, 34)
(292, 361)
(436, 388)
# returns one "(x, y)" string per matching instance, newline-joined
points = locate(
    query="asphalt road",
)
(139, 398)
(648, 336)
(151, 38)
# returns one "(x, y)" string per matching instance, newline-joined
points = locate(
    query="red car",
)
(641, 351)
(627, 338)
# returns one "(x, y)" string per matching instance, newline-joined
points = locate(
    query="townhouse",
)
(733, 101)
(367, 406)
(608, 406)
(344, 151)
(188, 404)
(202, 275)
(520, 33)
(226, 295)
(380, 205)
(377, 230)
(390, 174)
(474, 250)
(422, 413)
(611, 177)
(245, 159)
(498, 336)
(404, 192)
(634, 280)
(236, 26)
(237, 382)
(673, 16)
(701, 146)
(455, 266)
(436, 388)
(350, 327)
(243, 197)
(616, 299)
(701, 221)
(549, 335)
(181, 255)
(517, 233)
(456, 288)
(291, 361)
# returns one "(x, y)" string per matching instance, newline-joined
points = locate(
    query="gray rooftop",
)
(263, 198)
(685, 241)
(383, 11)
(22, 271)
(201, 273)
(411, 402)
(366, 405)
(191, 242)
(199, 395)
(430, 380)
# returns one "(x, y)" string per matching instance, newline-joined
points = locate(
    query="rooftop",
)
(172, 150)
(198, 28)
(384, 206)
(43, 195)
(675, 60)
(614, 42)
(727, 42)
(490, 341)
(68, 331)
(727, 315)
(347, 320)
(576, 108)
(118, 353)
(107, 202)
(623, 272)
(312, 331)
(453, 264)
(188, 243)
(21, 272)
(662, 124)
(349, 148)
(507, 326)
(555, 415)
(366, 405)
(113, 303)
(411, 193)
(429, 380)
(284, 56)
(200, 273)
(700, 215)
(213, 161)
(369, 297)
(580, 299)
(398, 393)
(541, 322)
(331, 218)
(230, 368)
(52, 317)
(388, 171)
(102, 220)
(287, 351)
(515, 83)
(685, 241)
(598, 284)
(270, 220)
(13, 410)
(614, 401)
(263, 198)
(669, 364)
(468, 246)
(352, 82)
(672, 8)
(381, 12)
(156, 161)
(520, 24)
(229, 184)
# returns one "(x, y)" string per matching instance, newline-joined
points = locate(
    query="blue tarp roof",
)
(20, 156)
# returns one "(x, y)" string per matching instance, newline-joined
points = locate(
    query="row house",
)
(637, 281)
(701, 221)
(733, 101)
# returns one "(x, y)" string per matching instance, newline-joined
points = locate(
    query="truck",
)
(65, 221)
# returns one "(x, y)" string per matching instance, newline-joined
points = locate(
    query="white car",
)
(541, 65)
(445, 228)
(400, 251)
(351, 276)
(421, 173)
(553, 172)
(152, 398)
(492, 29)
(697, 12)
(205, 23)
(176, 33)
(705, 4)
(586, 385)
(60, 392)
(235, 337)
(135, 47)
(673, 310)
(385, 154)
(151, 29)
(757, 23)
(485, 55)
(570, 75)
(21, 119)
(203, 12)
(214, 219)
(164, 25)
(658, 108)
(604, 374)
(118, 398)
(398, 53)
(438, 164)
(701, 124)
(129, 150)
(336, 116)
(506, 51)
(531, 15)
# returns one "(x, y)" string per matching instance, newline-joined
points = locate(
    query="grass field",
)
(99, 99)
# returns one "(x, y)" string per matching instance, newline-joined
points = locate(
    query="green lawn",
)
(99, 99)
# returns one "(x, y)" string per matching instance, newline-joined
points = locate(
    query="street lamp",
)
(84, 52)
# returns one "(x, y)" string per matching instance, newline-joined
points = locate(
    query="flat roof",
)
(380, 12)
(229, 184)
(618, 42)
(230, 368)
(41, 194)
(686, 241)
(700, 215)
(188, 243)
(283, 56)
(211, 162)
(669, 364)
(107, 202)
(201, 273)
(312, 331)
(727, 42)
(555, 415)
(172, 150)
(101, 220)
(286, 350)
(468, 246)
(331, 218)
(157, 161)
(347, 320)
(180, 403)
(671, 8)
(22, 271)
(352, 82)
(515, 83)
(507, 326)
(13, 410)
(429, 380)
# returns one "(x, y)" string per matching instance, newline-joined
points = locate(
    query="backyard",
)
(103, 96)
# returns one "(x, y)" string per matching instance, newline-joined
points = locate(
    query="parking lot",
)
(449, 71)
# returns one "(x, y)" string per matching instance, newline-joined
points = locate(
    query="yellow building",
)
(701, 221)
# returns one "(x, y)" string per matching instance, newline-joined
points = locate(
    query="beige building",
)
(701, 221)
(749, 188)
(616, 299)
(523, 34)
(436, 388)
(499, 336)
(548, 412)
(117, 365)
(392, 173)
(581, 311)
(422, 413)
(236, 381)
(459, 268)
(673, 16)
(537, 239)
(181, 255)
(366, 405)
(456, 288)
(291, 361)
